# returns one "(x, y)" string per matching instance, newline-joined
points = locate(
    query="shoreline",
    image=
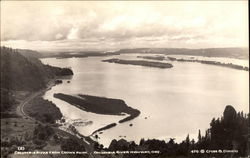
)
(51, 84)
(56, 126)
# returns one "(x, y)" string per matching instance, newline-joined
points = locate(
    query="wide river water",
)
(173, 102)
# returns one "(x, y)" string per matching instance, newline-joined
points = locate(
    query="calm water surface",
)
(176, 101)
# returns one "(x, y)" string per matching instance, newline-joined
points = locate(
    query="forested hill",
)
(19, 72)
(30, 53)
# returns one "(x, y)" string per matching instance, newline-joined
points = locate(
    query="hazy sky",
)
(58, 25)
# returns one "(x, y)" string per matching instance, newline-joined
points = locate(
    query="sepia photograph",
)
(124, 79)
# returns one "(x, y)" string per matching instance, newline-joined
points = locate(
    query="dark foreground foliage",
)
(72, 144)
(43, 110)
(42, 134)
(230, 132)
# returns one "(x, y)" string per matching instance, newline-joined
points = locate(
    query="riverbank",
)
(71, 133)
(140, 63)
(35, 127)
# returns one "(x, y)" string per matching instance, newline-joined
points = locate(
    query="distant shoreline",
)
(227, 52)
(216, 63)
(228, 65)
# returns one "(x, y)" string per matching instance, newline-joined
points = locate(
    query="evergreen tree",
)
(199, 136)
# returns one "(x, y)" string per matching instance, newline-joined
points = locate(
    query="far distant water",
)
(176, 101)
(218, 59)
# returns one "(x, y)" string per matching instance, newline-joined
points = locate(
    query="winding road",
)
(20, 108)
(89, 145)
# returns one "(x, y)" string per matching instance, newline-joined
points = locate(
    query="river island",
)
(100, 105)
(140, 63)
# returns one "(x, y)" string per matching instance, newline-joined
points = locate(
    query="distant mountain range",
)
(240, 53)
(237, 52)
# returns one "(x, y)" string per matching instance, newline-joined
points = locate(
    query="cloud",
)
(118, 24)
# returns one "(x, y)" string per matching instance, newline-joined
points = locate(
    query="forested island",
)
(100, 105)
(140, 63)
(158, 57)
